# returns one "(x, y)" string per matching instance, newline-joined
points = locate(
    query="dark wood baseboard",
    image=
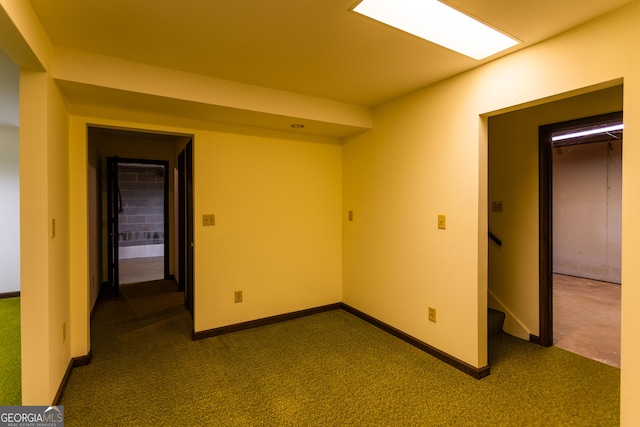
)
(63, 384)
(264, 321)
(535, 339)
(73, 363)
(477, 373)
(82, 360)
(9, 294)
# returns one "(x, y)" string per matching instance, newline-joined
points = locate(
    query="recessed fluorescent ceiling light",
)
(438, 23)
(580, 134)
(588, 132)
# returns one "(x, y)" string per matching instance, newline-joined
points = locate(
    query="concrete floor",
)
(586, 318)
(136, 270)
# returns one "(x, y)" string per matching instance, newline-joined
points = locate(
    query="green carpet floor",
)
(329, 369)
(10, 375)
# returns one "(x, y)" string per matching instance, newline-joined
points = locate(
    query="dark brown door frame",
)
(185, 225)
(546, 217)
(190, 284)
(113, 208)
(182, 235)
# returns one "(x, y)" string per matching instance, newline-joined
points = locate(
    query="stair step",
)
(495, 322)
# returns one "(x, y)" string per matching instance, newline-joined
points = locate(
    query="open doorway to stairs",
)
(516, 269)
(581, 236)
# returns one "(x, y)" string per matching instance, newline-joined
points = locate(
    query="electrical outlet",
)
(238, 297)
(53, 228)
(64, 331)
(350, 215)
(442, 222)
(432, 314)
(208, 219)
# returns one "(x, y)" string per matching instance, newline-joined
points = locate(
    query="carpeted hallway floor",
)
(329, 369)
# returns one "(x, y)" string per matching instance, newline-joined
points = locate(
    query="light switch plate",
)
(442, 222)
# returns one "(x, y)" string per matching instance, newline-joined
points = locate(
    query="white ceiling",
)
(313, 47)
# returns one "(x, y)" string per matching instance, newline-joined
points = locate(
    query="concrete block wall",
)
(141, 221)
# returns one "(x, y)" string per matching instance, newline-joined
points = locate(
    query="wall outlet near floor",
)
(432, 314)
(237, 297)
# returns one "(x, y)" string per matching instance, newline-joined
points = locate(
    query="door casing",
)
(545, 133)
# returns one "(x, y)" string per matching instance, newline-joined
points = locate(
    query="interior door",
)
(113, 207)
(185, 224)
(182, 230)
(189, 285)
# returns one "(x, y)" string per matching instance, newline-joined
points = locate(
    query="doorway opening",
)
(133, 209)
(143, 223)
(138, 221)
(520, 273)
(580, 236)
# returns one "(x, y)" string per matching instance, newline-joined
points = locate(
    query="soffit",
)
(312, 47)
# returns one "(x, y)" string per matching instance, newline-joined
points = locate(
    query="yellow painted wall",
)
(277, 236)
(81, 259)
(513, 179)
(59, 237)
(34, 244)
(45, 268)
(423, 157)
(94, 217)
(420, 160)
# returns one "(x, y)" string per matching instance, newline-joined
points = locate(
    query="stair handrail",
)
(495, 239)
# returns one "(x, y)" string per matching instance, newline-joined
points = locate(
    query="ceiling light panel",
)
(438, 23)
(595, 131)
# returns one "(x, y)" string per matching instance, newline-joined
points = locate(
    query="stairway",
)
(495, 321)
